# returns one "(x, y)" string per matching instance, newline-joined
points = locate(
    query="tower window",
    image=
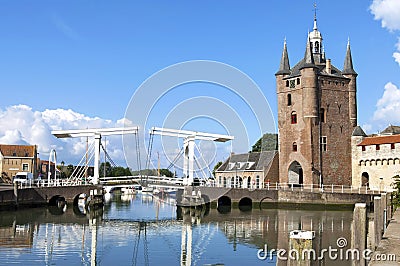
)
(363, 148)
(292, 84)
(287, 83)
(377, 147)
(289, 99)
(322, 115)
(316, 47)
(293, 118)
(298, 81)
(294, 146)
(323, 143)
(392, 146)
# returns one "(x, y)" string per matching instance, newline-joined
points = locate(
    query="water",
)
(144, 230)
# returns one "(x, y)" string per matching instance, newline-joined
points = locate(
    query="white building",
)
(375, 159)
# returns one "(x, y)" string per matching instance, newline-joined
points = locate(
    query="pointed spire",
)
(348, 62)
(284, 67)
(308, 56)
(315, 17)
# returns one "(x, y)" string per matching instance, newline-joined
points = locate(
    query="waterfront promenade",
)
(390, 244)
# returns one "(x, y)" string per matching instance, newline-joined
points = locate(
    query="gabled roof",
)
(295, 71)
(380, 140)
(248, 161)
(391, 130)
(18, 150)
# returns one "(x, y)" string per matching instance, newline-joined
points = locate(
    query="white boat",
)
(128, 190)
(302, 234)
(147, 190)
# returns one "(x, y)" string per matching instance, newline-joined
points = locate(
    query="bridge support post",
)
(188, 163)
(97, 140)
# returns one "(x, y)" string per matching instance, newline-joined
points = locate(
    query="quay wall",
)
(216, 196)
(39, 196)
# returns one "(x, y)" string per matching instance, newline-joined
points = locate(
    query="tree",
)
(120, 171)
(216, 167)
(108, 169)
(268, 142)
(166, 172)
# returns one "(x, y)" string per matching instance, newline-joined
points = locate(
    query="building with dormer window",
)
(248, 170)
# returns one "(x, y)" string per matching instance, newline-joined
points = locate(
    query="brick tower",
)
(317, 112)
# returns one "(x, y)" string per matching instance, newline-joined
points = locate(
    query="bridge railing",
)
(313, 188)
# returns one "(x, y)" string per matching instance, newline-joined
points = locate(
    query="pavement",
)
(5, 187)
(388, 251)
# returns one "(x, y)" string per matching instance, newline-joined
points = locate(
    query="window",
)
(322, 115)
(294, 118)
(298, 81)
(377, 147)
(317, 47)
(294, 146)
(392, 146)
(289, 99)
(287, 83)
(323, 143)
(25, 167)
(292, 84)
(363, 148)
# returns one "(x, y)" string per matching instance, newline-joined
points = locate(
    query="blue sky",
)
(78, 63)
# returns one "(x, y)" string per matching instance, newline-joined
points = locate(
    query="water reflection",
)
(146, 230)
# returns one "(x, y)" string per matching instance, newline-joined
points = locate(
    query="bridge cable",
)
(150, 147)
(138, 154)
(176, 158)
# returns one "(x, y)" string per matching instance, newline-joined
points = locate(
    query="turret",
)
(309, 84)
(348, 72)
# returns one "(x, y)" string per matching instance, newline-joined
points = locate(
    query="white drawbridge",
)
(96, 133)
(188, 146)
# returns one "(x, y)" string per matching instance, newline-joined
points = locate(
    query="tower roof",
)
(358, 132)
(284, 67)
(348, 62)
(308, 60)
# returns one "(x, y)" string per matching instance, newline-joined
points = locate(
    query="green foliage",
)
(268, 142)
(396, 185)
(216, 167)
(154, 172)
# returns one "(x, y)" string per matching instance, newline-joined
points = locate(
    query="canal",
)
(146, 230)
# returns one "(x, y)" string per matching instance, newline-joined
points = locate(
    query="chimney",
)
(328, 66)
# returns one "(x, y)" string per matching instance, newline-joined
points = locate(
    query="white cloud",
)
(388, 107)
(20, 124)
(388, 11)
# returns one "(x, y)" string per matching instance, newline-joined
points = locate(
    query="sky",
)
(87, 64)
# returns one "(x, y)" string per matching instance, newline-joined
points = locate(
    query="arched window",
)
(287, 83)
(294, 146)
(289, 99)
(316, 47)
(293, 118)
(298, 81)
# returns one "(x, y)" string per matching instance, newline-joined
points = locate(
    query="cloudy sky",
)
(77, 64)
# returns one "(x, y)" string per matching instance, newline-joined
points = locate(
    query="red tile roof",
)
(17, 150)
(380, 140)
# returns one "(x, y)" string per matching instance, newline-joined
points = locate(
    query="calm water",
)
(144, 230)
